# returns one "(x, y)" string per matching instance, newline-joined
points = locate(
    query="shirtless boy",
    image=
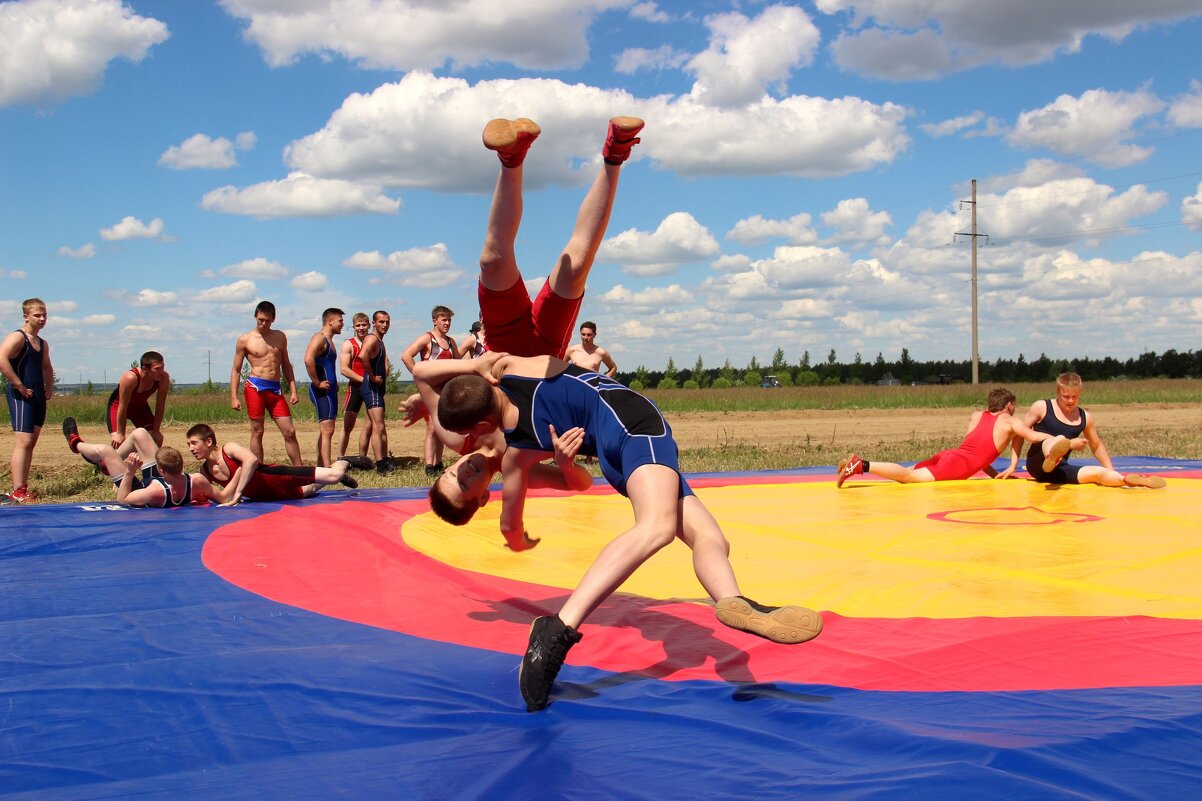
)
(321, 362)
(129, 401)
(267, 352)
(237, 467)
(352, 370)
(548, 408)
(588, 354)
(989, 433)
(1064, 416)
(373, 356)
(434, 344)
(25, 362)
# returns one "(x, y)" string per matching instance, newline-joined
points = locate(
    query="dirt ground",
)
(842, 430)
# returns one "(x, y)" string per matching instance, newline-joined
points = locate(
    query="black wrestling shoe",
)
(358, 462)
(71, 432)
(783, 624)
(550, 640)
(385, 466)
(434, 470)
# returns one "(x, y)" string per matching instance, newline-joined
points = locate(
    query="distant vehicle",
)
(770, 382)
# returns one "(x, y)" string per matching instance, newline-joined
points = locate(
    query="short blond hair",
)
(169, 460)
(1070, 380)
(30, 304)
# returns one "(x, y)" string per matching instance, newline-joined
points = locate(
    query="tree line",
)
(906, 370)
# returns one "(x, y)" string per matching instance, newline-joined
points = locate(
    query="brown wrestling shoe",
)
(1151, 482)
(1055, 455)
(511, 139)
(783, 624)
(622, 136)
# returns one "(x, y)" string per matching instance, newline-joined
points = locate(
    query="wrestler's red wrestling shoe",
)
(511, 139)
(851, 466)
(622, 136)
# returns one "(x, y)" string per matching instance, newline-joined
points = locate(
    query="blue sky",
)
(799, 184)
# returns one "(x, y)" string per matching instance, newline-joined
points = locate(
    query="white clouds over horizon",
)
(132, 228)
(199, 151)
(56, 49)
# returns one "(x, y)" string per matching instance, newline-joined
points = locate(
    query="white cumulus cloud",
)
(756, 229)
(312, 281)
(427, 266)
(678, 240)
(418, 34)
(1095, 126)
(227, 293)
(82, 252)
(199, 151)
(153, 297)
(133, 228)
(55, 49)
(745, 56)
(301, 195)
(258, 267)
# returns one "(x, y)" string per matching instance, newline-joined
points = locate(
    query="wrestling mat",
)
(983, 640)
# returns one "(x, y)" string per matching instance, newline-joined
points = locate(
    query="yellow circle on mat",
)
(943, 550)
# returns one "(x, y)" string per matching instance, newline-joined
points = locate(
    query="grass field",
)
(762, 410)
(188, 407)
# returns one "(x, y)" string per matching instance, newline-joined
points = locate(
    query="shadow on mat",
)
(686, 644)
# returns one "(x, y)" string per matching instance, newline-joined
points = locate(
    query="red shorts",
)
(259, 401)
(140, 416)
(517, 326)
(953, 465)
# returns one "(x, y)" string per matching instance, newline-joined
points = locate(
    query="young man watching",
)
(352, 370)
(25, 363)
(267, 352)
(434, 344)
(321, 363)
(588, 354)
(130, 399)
(374, 358)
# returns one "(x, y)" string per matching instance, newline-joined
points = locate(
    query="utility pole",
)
(209, 362)
(976, 367)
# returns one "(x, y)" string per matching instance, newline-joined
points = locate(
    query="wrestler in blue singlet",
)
(326, 400)
(168, 501)
(622, 428)
(28, 414)
(1063, 473)
(373, 394)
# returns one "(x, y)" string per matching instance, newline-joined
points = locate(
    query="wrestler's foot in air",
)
(622, 136)
(1136, 480)
(1054, 453)
(71, 432)
(851, 466)
(783, 624)
(510, 139)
